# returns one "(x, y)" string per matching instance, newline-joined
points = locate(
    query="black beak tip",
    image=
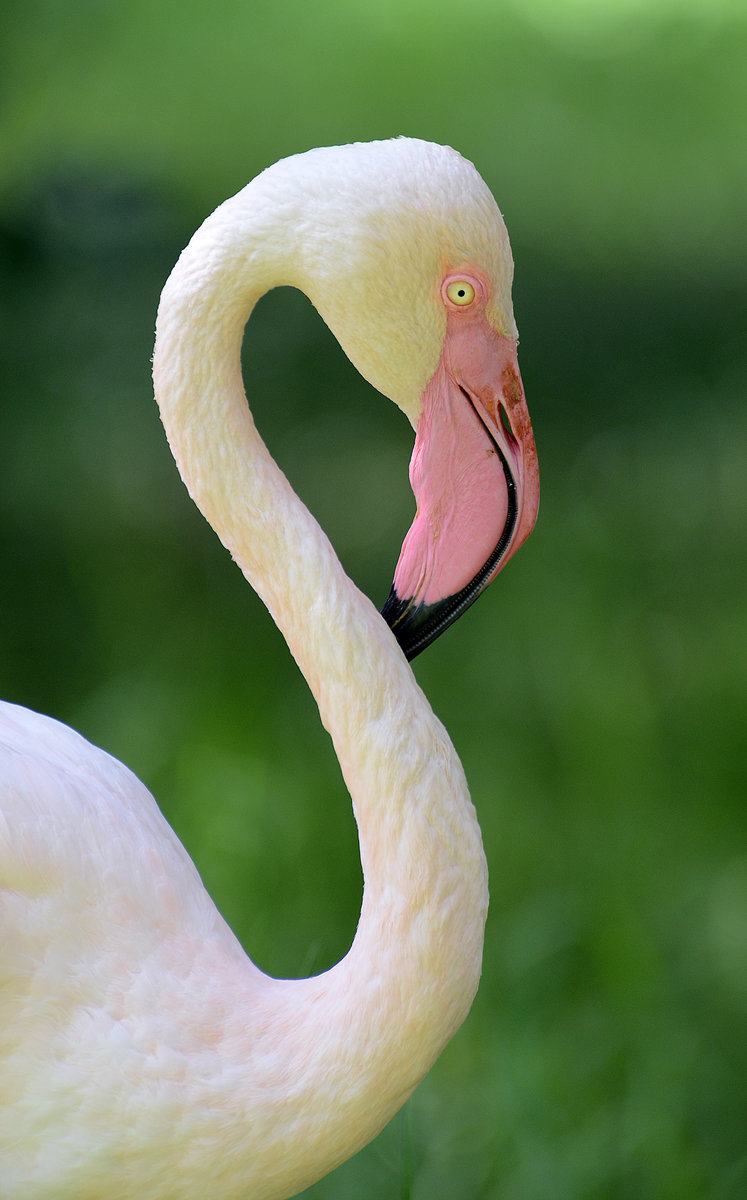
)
(415, 626)
(395, 613)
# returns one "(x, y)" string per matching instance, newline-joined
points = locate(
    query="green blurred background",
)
(596, 693)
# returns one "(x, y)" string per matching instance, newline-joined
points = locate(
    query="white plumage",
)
(142, 1054)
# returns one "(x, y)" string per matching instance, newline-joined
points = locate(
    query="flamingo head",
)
(411, 267)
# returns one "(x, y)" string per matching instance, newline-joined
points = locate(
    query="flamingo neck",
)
(336, 1055)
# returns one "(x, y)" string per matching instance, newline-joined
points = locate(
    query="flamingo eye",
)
(460, 292)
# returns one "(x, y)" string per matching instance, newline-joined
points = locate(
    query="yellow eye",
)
(461, 292)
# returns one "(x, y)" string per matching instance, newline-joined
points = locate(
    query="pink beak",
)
(475, 477)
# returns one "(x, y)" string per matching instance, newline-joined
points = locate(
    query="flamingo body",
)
(142, 1053)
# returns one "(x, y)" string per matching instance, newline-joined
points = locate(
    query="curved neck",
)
(349, 1046)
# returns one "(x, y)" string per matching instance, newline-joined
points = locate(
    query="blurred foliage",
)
(596, 694)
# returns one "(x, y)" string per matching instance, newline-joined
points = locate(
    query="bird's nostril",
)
(506, 423)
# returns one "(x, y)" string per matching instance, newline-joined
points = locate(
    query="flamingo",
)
(142, 1054)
